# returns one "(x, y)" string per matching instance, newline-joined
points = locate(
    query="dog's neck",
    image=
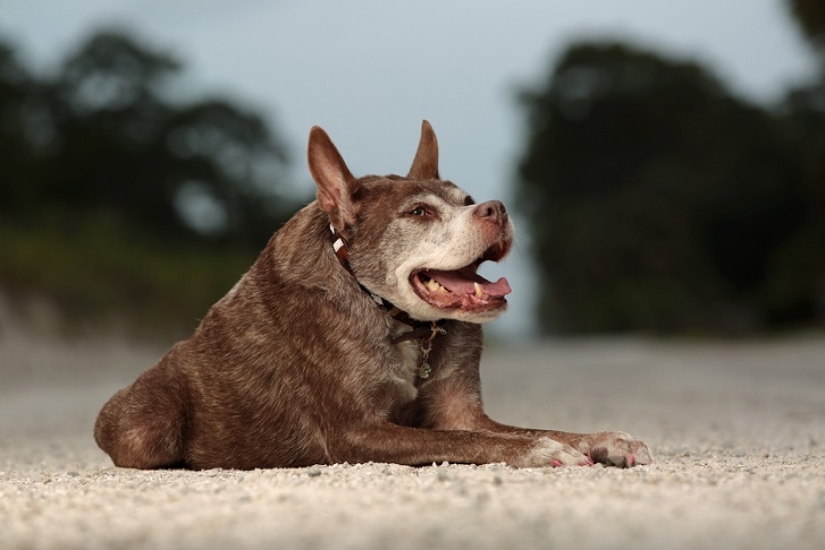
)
(421, 329)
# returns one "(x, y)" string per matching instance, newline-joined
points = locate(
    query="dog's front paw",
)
(547, 452)
(616, 449)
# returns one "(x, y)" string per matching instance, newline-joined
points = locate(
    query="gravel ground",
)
(738, 430)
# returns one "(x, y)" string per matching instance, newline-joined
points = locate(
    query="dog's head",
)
(416, 241)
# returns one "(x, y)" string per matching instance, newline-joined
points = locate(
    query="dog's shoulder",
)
(295, 293)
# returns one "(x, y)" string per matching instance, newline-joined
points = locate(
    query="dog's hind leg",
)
(144, 425)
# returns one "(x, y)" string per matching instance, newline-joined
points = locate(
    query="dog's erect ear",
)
(425, 164)
(334, 180)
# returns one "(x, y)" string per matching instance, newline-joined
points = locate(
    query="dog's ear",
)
(425, 164)
(334, 180)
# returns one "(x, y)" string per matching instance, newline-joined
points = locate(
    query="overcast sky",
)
(368, 71)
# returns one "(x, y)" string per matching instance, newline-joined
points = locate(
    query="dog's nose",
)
(493, 211)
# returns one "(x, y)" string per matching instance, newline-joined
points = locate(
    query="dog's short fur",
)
(299, 365)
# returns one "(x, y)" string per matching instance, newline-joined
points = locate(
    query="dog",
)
(355, 337)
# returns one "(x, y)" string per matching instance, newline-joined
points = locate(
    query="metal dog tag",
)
(425, 371)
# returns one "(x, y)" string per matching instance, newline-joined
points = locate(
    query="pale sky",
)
(369, 71)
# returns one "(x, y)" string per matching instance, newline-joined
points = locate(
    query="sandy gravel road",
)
(738, 431)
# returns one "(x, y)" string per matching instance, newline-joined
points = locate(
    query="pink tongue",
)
(462, 283)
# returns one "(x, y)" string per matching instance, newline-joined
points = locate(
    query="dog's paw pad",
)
(619, 449)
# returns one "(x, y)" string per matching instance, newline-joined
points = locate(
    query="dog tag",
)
(425, 371)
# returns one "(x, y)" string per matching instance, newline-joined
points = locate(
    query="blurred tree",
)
(657, 201)
(810, 16)
(112, 145)
(116, 198)
(803, 113)
(15, 89)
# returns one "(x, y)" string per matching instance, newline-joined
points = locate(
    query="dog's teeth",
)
(432, 285)
(479, 292)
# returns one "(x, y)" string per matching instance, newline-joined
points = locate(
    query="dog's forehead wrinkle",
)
(429, 199)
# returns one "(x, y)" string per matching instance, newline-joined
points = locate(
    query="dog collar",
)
(426, 331)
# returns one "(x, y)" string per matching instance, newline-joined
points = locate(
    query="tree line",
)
(103, 137)
(659, 201)
(119, 201)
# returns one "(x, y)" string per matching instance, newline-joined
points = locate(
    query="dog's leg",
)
(383, 441)
(609, 448)
(142, 426)
(453, 402)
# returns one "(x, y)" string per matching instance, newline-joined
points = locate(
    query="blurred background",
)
(666, 161)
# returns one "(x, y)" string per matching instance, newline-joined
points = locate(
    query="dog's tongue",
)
(462, 282)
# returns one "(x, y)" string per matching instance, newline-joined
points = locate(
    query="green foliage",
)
(107, 139)
(103, 275)
(116, 200)
(658, 201)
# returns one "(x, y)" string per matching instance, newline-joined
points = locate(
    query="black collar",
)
(420, 329)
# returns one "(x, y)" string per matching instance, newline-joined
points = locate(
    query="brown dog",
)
(354, 337)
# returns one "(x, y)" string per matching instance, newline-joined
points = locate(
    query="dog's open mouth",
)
(460, 289)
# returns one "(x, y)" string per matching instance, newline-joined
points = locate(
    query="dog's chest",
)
(410, 360)
(404, 376)
(403, 373)
(398, 390)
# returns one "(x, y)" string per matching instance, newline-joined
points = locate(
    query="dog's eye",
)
(423, 211)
